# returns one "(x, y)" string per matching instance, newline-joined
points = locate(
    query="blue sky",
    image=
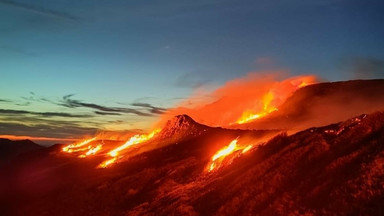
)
(127, 54)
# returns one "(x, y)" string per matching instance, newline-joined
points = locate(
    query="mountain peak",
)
(184, 118)
(182, 126)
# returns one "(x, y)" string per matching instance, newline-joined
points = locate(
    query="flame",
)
(251, 97)
(267, 108)
(92, 151)
(76, 147)
(247, 149)
(225, 151)
(268, 100)
(217, 159)
(133, 141)
(107, 163)
(240, 100)
(77, 150)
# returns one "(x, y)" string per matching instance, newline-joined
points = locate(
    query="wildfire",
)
(267, 108)
(232, 148)
(76, 147)
(251, 97)
(92, 151)
(88, 148)
(225, 151)
(106, 163)
(247, 148)
(134, 140)
(269, 101)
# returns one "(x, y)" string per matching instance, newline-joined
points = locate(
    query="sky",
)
(69, 68)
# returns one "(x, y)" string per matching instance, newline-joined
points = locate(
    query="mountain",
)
(322, 104)
(337, 169)
(10, 149)
(332, 170)
(182, 129)
(177, 129)
(182, 126)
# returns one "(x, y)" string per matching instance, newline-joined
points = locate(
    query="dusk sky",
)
(71, 67)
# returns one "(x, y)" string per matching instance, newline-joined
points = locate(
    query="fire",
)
(88, 149)
(251, 97)
(107, 163)
(225, 151)
(133, 141)
(240, 100)
(269, 100)
(76, 147)
(247, 149)
(267, 108)
(92, 151)
(232, 148)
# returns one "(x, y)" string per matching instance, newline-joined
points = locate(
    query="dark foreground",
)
(333, 170)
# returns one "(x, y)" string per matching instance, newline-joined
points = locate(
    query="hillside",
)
(332, 170)
(10, 149)
(322, 104)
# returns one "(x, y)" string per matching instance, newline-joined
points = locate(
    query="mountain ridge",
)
(322, 104)
(337, 169)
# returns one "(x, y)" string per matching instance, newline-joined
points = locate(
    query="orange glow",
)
(107, 163)
(92, 151)
(241, 100)
(225, 151)
(133, 141)
(268, 100)
(116, 135)
(267, 108)
(76, 147)
(232, 149)
(247, 149)
(303, 84)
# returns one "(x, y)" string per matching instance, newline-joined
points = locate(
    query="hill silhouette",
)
(331, 170)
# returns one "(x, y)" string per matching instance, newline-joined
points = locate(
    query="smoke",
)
(364, 67)
(323, 104)
(117, 135)
(226, 104)
(265, 95)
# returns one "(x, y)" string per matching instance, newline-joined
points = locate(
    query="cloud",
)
(152, 109)
(106, 113)
(67, 124)
(42, 130)
(39, 10)
(24, 104)
(34, 98)
(71, 103)
(42, 114)
(364, 67)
